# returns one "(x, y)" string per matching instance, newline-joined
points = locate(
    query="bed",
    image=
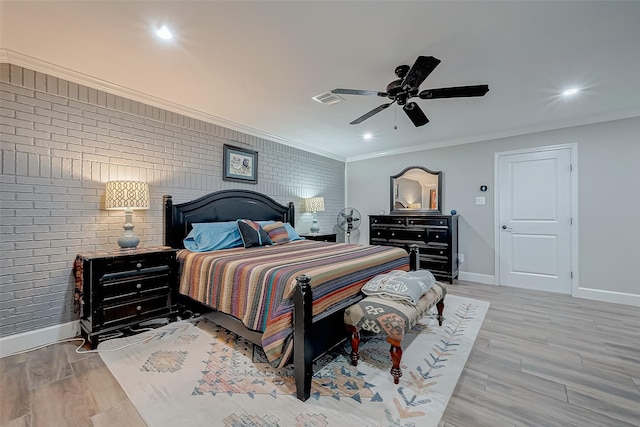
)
(287, 298)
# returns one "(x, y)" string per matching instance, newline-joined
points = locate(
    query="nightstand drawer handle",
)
(139, 286)
(139, 308)
(139, 265)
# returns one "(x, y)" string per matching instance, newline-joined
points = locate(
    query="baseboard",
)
(485, 279)
(608, 296)
(27, 340)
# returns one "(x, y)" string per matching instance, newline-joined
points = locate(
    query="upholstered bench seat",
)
(393, 318)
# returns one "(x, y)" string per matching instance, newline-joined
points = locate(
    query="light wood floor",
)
(541, 359)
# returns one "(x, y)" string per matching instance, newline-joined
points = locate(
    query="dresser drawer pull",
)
(441, 222)
(419, 235)
(399, 222)
(139, 265)
(437, 237)
(139, 286)
(441, 252)
(139, 308)
(393, 234)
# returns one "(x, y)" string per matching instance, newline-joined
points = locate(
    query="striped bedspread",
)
(256, 285)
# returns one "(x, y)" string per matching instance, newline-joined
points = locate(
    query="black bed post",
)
(291, 214)
(302, 347)
(167, 202)
(414, 257)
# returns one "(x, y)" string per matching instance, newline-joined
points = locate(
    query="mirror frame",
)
(394, 211)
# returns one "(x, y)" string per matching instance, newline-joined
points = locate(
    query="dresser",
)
(435, 235)
(122, 288)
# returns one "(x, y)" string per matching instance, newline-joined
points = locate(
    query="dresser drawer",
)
(139, 308)
(134, 263)
(437, 235)
(388, 220)
(442, 222)
(114, 290)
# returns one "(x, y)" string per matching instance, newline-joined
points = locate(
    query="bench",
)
(393, 318)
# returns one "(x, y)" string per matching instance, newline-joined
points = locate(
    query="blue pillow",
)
(293, 234)
(212, 236)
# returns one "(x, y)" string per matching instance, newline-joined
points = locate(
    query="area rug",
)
(198, 374)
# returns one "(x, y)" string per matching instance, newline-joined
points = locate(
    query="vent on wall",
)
(328, 98)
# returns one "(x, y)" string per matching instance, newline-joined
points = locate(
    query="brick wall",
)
(62, 141)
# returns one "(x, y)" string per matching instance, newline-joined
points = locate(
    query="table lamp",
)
(127, 196)
(314, 205)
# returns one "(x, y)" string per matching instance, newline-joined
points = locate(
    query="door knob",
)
(504, 227)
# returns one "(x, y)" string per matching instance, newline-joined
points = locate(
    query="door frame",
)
(573, 148)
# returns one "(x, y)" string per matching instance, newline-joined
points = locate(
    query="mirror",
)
(416, 190)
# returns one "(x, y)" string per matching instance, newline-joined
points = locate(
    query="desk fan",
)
(349, 220)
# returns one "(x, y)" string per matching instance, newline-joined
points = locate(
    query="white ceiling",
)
(255, 65)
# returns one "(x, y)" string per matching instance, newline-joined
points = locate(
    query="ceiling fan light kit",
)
(407, 86)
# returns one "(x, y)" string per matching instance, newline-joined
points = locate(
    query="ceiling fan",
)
(408, 86)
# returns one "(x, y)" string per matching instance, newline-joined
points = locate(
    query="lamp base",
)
(128, 240)
(314, 225)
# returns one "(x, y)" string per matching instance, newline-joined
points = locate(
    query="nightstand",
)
(122, 288)
(321, 237)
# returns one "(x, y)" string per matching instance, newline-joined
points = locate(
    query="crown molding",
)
(609, 117)
(35, 64)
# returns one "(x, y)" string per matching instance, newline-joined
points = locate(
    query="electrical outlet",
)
(479, 200)
(460, 258)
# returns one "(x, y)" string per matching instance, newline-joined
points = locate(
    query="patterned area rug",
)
(202, 375)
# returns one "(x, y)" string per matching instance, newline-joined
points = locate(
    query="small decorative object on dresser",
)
(321, 237)
(119, 289)
(435, 235)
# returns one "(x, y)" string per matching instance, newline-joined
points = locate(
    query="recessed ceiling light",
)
(367, 135)
(164, 33)
(571, 91)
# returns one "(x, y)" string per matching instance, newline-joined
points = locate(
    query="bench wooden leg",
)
(355, 343)
(396, 358)
(440, 307)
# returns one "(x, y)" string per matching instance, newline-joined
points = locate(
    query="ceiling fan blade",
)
(423, 66)
(359, 92)
(370, 113)
(415, 113)
(454, 92)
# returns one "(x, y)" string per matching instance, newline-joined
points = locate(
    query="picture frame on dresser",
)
(239, 165)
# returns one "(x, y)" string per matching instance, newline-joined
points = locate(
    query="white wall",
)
(608, 197)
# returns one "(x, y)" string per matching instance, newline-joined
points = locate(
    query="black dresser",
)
(435, 235)
(122, 288)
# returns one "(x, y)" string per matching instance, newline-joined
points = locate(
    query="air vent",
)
(328, 98)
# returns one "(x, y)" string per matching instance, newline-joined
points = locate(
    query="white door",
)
(534, 220)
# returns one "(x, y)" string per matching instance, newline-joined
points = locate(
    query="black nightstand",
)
(122, 288)
(321, 237)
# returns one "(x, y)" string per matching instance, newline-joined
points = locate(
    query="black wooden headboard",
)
(226, 205)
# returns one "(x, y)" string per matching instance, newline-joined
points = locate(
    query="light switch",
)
(479, 200)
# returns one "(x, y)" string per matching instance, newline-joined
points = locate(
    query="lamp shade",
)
(127, 195)
(314, 204)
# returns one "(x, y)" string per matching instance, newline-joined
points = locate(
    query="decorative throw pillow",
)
(277, 232)
(407, 286)
(253, 234)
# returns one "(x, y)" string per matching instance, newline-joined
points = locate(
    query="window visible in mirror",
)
(416, 190)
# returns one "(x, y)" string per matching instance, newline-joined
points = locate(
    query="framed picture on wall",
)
(239, 164)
